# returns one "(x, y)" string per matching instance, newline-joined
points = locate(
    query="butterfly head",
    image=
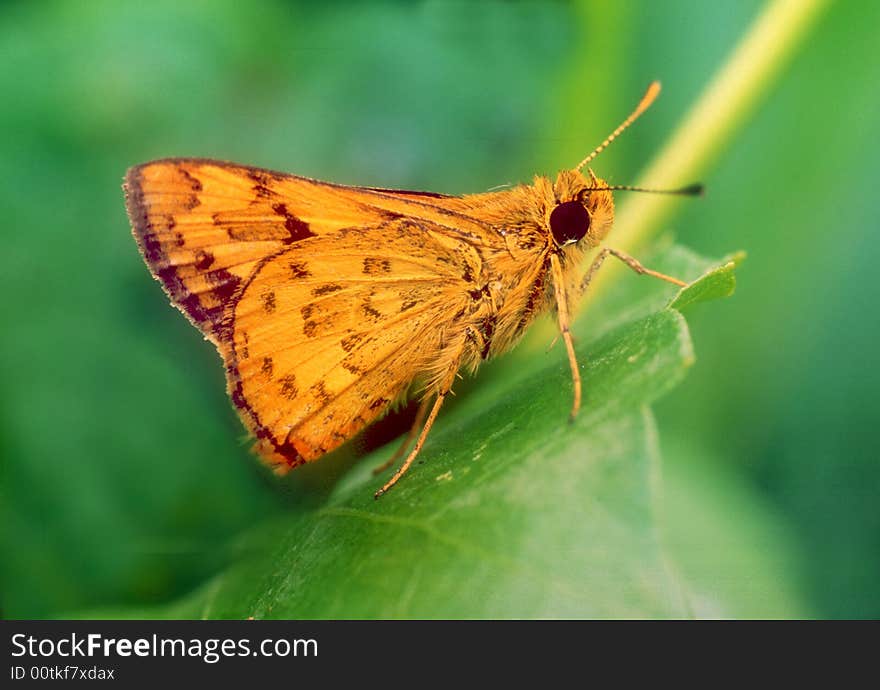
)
(582, 209)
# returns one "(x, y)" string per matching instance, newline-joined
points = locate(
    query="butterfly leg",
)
(633, 263)
(408, 439)
(564, 318)
(562, 304)
(438, 402)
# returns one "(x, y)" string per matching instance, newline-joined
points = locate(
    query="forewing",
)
(203, 226)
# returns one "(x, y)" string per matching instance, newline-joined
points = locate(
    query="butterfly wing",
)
(324, 301)
(203, 226)
(320, 350)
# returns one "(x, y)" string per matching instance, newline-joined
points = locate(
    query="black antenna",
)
(690, 190)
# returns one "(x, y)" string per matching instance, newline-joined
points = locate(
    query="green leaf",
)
(511, 511)
(717, 282)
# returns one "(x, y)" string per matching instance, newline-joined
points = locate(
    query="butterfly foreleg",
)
(562, 308)
(630, 261)
(564, 317)
(408, 439)
(444, 390)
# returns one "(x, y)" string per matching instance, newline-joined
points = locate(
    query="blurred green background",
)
(124, 474)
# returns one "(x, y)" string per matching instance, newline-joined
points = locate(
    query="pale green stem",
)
(724, 107)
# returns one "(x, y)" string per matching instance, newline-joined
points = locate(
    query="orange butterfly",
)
(328, 302)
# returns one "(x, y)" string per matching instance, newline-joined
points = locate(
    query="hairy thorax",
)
(513, 285)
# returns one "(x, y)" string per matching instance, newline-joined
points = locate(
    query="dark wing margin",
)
(156, 234)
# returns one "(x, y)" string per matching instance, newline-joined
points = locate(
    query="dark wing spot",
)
(288, 386)
(299, 269)
(261, 177)
(348, 343)
(307, 311)
(368, 310)
(379, 402)
(288, 452)
(268, 298)
(204, 260)
(262, 181)
(326, 289)
(268, 366)
(309, 329)
(297, 228)
(320, 392)
(196, 186)
(374, 266)
(407, 305)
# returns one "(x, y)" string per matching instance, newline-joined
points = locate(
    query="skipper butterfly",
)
(329, 303)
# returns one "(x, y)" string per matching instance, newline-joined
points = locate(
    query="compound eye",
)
(569, 222)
